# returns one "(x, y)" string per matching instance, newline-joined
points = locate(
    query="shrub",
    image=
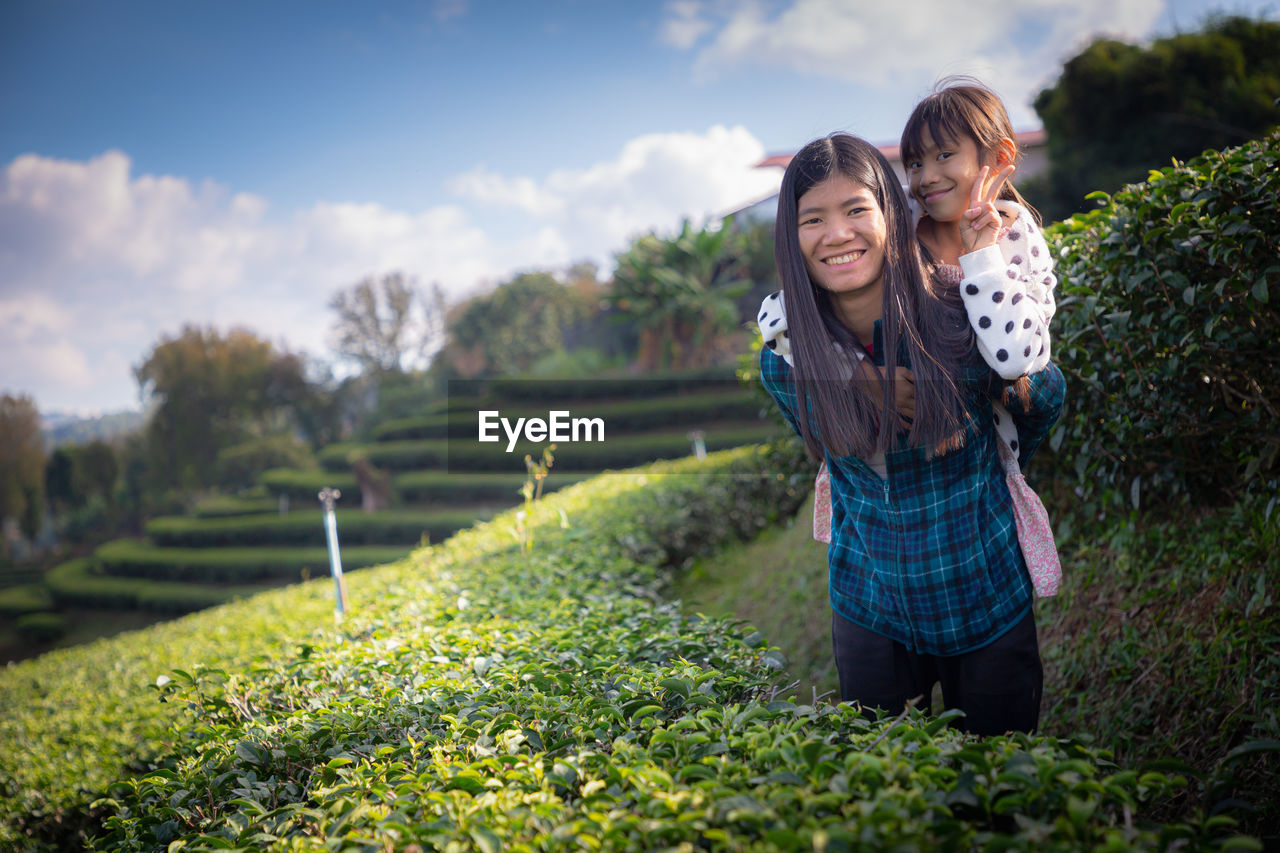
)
(481, 696)
(127, 558)
(27, 598)
(39, 628)
(238, 467)
(1166, 332)
(306, 527)
(621, 452)
(304, 486)
(499, 488)
(226, 506)
(713, 403)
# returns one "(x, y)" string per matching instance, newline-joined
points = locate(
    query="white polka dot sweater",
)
(1008, 292)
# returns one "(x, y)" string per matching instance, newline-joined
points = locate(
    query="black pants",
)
(997, 686)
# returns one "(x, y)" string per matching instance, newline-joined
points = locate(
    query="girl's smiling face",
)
(943, 175)
(842, 238)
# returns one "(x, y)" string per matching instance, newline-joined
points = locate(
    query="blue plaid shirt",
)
(929, 557)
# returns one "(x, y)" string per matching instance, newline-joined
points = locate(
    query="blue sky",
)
(236, 163)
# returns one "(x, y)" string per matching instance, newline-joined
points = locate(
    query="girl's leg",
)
(877, 672)
(998, 686)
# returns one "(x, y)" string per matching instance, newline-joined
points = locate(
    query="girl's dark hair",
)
(963, 107)
(931, 328)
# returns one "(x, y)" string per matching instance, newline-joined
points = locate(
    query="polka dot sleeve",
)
(772, 320)
(1008, 293)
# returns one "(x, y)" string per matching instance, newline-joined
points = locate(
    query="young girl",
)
(927, 580)
(958, 149)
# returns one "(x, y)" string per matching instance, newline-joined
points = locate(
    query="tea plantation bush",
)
(1167, 332)
(487, 695)
(388, 527)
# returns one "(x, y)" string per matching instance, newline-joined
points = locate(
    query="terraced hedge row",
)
(128, 558)
(721, 401)
(484, 696)
(306, 527)
(500, 488)
(77, 583)
(470, 455)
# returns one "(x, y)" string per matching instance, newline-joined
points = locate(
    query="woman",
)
(927, 579)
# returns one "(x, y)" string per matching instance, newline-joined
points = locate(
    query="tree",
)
(75, 474)
(211, 391)
(681, 292)
(1119, 110)
(521, 321)
(387, 325)
(21, 463)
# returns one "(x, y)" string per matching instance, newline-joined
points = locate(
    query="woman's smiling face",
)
(842, 238)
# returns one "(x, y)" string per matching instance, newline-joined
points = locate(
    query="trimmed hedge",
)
(719, 403)
(77, 583)
(388, 527)
(1167, 333)
(499, 488)
(127, 558)
(304, 486)
(226, 506)
(28, 598)
(41, 627)
(620, 452)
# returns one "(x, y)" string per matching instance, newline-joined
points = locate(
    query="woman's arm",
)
(775, 374)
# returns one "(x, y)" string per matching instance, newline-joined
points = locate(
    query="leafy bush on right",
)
(1166, 332)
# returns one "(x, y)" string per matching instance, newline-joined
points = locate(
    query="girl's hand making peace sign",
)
(981, 222)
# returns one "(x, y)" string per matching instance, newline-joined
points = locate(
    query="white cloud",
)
(685, 23)
(1015, 48)
(97, 263)
(653, 182)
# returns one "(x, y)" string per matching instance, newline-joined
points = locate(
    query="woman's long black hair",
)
(930, 326)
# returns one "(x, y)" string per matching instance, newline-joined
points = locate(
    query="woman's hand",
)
(904, 388)
(981, 223)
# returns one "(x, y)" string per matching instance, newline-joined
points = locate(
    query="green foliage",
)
(1166, 332)
(212, 391)
(681, 293)
(468, 456)
(1162, 643)
(76, 474)
(389, 527)
(499, 488)
(79, 583)
(21, 463)
(130, 558)
(76, 719)
(25, 598)
(226, 506)
(517, 324)
(697, 404)
(304, 485)
(39, 628)
(1117, 109)
(480, 696)
(239, 466)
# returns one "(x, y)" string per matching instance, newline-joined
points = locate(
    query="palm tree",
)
(681, 293)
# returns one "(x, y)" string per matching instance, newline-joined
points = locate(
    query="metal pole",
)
(327, 497)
